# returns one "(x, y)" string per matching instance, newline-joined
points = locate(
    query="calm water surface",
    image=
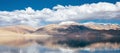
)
(42, 49)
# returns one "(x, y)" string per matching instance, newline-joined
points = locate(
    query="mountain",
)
(92, 25)
(19, 35)
(18, 29)
(15, 35)
(79, 35)
(64, 34)
(102, 26)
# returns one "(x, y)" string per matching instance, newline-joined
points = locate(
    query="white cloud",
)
(68, 23)
(29, 16)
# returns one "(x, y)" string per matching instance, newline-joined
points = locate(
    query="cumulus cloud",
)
(29, 16)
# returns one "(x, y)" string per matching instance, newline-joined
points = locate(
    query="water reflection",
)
(43, 49)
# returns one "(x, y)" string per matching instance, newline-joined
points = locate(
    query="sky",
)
(43, 12)
(10, 5)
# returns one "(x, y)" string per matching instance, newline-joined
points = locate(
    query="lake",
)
(43, 49)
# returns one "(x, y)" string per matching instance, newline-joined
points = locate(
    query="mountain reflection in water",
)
(43, 49)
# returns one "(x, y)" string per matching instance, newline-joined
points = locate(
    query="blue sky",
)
(42, 12)
(9, 5)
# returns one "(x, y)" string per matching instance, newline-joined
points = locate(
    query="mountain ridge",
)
(82, 35)
(65, 35)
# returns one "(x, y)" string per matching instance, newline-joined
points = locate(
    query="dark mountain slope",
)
(78, 35)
